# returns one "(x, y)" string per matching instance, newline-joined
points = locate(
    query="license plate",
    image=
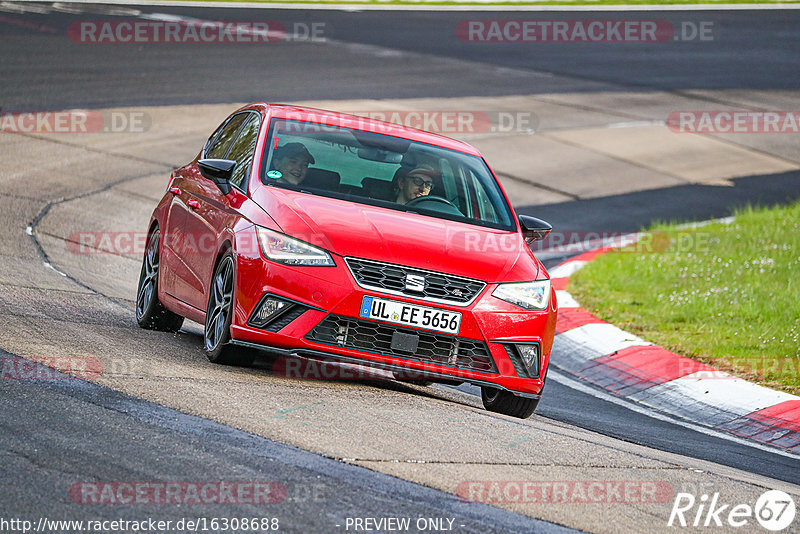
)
(406, 314)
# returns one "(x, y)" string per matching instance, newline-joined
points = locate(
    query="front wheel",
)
(150, 313)
(219, 314)
(505, 402)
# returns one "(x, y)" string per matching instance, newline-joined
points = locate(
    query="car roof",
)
(284, 111)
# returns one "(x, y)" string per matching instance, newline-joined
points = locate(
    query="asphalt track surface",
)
(86, 416)
(71, 425)
(755, 50)
(384, 55)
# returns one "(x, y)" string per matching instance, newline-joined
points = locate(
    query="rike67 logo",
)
(774, 510)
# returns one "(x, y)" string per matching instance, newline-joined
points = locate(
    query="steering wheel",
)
(436, 204)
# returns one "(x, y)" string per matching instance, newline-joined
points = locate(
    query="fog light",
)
(270, 309)
(530, 358)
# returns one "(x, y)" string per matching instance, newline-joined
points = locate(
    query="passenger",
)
(292, 160)
(416, 183)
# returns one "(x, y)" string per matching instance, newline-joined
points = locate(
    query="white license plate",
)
(406, 314)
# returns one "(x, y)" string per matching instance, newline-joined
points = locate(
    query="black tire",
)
(505, 402)
(150, 313)
(219, 313)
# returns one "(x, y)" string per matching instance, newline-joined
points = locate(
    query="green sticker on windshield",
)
(275, 175)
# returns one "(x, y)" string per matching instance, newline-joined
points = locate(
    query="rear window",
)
(383, 170)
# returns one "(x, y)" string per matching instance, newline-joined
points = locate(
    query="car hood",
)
(358, 230)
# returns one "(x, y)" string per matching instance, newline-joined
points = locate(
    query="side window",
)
(242, 151)
(219, 146)
(213, 136)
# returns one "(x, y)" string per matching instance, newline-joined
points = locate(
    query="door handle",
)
(193, 204)
(175, 190)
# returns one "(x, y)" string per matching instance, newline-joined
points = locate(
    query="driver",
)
(416, 183)
(292, 160)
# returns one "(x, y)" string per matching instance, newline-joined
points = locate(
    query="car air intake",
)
(525, 357)
(274, 313)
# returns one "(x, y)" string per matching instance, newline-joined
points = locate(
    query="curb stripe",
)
(638, 368)
(565, 299)
(629, 367)
(559, 284)
(777, 425)
(572, 318)
(590, 255)
(578, 385)
(565, 270)
(787, 411)
(714, 401)
(602, 338)
(658, 363)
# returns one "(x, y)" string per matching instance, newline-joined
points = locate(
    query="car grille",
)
(377, 338)
(438, 287)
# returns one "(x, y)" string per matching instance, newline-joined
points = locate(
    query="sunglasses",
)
(419, 182)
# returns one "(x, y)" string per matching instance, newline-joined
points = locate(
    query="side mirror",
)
(533, 229)
(218, 171)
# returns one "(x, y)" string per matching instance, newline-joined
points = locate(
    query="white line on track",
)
(50, 266)
(634, 407)
(574, 384)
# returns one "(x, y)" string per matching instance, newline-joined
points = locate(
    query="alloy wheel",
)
(220, 304)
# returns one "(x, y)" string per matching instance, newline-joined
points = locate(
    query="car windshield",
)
(383, 170)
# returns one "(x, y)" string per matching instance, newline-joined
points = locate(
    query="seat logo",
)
(415, 283)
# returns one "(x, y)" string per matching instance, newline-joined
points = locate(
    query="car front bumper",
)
(325, 324)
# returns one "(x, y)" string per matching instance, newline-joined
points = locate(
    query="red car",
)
(319, 235)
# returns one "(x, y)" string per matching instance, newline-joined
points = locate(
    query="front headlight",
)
(290, 251)
(528, 295)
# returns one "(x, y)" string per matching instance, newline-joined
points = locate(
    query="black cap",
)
(291, 150)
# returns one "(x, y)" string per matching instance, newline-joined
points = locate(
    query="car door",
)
(172, 237)
(182, 238)
(211, 211)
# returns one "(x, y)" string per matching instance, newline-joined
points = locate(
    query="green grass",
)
(726, 295)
